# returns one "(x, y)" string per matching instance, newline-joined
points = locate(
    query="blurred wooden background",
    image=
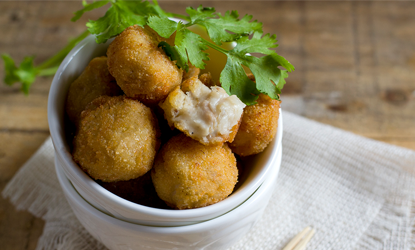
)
(355, 69)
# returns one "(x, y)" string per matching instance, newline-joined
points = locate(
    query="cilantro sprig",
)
(120, 15)
(26, 73)
(249, 38)
(188, 47)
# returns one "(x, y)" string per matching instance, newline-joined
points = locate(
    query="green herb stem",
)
(215, 47)
(49, 71)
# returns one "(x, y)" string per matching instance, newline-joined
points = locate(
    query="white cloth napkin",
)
(356, 193)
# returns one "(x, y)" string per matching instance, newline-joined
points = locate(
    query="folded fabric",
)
(356, 192)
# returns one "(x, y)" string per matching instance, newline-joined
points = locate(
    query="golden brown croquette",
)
(258, 127)
(117, 139)
(188, 174)
(142, 69)
(94, 81)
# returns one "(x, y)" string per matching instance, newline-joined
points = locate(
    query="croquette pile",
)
(146, 128)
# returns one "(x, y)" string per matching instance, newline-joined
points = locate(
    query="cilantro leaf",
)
(235, 82)
(120, 15)
(283, 62)
(261, 44)
(173, 53)
(188, 45)
(9, 68)
(116, 20)
(88, 7)
(162, 25)
(257, 44)
(268, 77)
(26, 73)
(187, 41)
(218, 26)
(200, 14)
(145, 9)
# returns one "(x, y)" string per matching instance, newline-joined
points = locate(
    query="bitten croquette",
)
(117, 139)
(188, 174)
(141, 68)
(208, 115)
(94, 81)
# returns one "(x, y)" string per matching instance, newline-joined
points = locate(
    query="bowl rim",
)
(73, 170)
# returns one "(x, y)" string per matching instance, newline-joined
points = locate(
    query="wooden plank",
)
(21, 112)
(348, 69)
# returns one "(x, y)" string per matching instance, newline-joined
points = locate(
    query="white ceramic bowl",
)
(217, 233)
(259, 165)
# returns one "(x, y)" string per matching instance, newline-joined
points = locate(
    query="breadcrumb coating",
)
(117, 139)
(187, 174)
(142, 69)
(94, 81)
(258, 127)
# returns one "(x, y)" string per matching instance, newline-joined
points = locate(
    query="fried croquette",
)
(258, 127)
(117, 139)
(188, 174)
(94, 81)
(142, 69)
(208, 115)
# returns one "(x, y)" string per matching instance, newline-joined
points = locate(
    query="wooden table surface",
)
(355, 69)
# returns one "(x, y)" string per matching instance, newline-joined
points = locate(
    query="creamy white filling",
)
(208, 113)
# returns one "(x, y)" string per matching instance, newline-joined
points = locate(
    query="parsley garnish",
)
(189, 47)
